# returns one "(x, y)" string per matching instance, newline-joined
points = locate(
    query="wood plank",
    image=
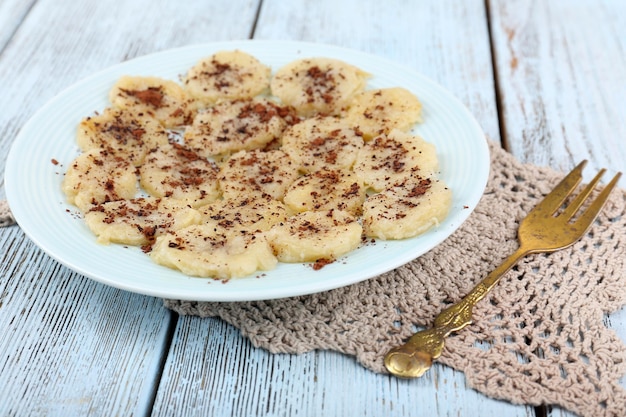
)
(561, 71)
(71, 346)
(12, 13)
(447, 41)
(213, 370)
(561, 68)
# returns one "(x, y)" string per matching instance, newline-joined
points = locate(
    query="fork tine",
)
(575, 204)
(553, 201)
(592, 211)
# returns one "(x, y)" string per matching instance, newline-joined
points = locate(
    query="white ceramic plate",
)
(33, 182)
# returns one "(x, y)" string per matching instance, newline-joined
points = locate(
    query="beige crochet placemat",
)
(538, 338)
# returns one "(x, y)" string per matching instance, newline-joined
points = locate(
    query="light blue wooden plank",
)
(213, 370)
(12, 13)
(562, 80)
(69, 345)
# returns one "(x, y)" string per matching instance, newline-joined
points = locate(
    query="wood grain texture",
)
(212, 370)
(561, 69)
(71, 346)
(12, 13)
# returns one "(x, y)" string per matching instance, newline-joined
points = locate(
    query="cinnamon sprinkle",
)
(321, 263)
(152, 96)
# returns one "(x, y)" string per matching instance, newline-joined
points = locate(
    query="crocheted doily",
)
(538, 338)
(6, 218)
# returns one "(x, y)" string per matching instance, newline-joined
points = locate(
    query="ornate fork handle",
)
(416, 356)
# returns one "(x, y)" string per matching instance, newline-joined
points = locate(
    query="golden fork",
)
(543, 230)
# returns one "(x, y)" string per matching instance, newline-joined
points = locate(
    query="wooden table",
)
(545, 79)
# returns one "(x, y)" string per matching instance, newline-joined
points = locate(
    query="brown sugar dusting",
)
(420, 188)
(185, 153)
(317, 142)
(323, 83)
(260, 111)
(219, 67)
(321, 263)
(152, 96)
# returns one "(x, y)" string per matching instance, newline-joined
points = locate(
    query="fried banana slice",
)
(227, 75)
(176, 172)
(379, 111)
(325, 190)
(202, 251)
(318, 85)
(257, 172)
(322, 142)
(387, 158)
(124, 133)
(406, 209)
(232, 126)
(98, 176)
(314, 235)
(248, 214)
(162, 99)
(138, 221)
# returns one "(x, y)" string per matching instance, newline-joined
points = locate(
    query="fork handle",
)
(416, 356)
(460, 314)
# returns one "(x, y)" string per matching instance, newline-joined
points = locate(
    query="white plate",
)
(33, 182)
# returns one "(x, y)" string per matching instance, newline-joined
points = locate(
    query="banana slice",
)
(256, 172)
(125, 133)
(227, 75)
(247, 214)
(231, 126)
(97, 176)
(322, 142)
(162, 99)
(379, 111)
(176, 172)
(318, 85)
(201, 251)
(327, 189)
(387, 158)
(407, 208)
(314, 235)
(138, 221)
